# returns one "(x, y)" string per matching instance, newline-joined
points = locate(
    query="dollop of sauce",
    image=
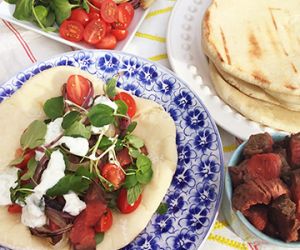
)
(8, 179)
(73, 204)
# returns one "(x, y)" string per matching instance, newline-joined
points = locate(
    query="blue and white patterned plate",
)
(194, 195)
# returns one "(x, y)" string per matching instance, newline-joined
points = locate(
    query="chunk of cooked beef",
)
(249, 194)
(257, 191)
(295, 189)
(238, 173)
(282, 215)
(294, 151)
(258, 216)
(271, 230)
(258, 144)
(264, 166)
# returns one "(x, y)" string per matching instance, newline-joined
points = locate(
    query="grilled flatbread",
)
(26, 105)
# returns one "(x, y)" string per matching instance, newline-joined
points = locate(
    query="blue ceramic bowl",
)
(236, 219)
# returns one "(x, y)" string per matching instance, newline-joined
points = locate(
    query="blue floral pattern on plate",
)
(194, 196)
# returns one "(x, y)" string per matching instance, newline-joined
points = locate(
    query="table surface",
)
(20, 48)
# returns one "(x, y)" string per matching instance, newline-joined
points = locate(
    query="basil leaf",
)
(133, 193)
(31, 165)
(134, 141)
(17, 161)
(162, 208)
(62, 9)
(70, 118)
(122, 107)
(130, 181)
(77, 129)
(110, 87)
(99, 238)
(23, 10)
(101, 115)
(54, 107)
(34, 135)
(74, 183)
(131, 127)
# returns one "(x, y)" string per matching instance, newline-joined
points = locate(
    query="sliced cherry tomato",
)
(94, 31)
(94, 15)
(78, 89)
(128, 99)
(114, 174)
(53, 226)
(120, 34)
(94, 9)
(109, 11)
(105, 222)
(71, 30)
(107, 42)
(108, 28)
(123, 157)
(97, 3)
(123, 204)
(14, 209)
(129, 8)
(124, 15)
(121, 26)
(80, 15)
(27, 156)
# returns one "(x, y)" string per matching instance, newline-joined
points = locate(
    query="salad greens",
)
(34, 135)
(46, 12)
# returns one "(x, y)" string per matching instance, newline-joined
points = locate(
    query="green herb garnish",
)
(54, 107)
(34, 135)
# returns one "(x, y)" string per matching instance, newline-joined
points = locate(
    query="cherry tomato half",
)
(94, 9)
(80, 15)
(128, 99)
(119, 34)
(107, 42)
(27, 156)
(109, 11)
(105, 222)
(94, 31)
(123, 157)
(123, 204)
(114, 174)
(129, 8)
(119, 25)
(14, 209)
(97, 3)
(71, 30)
(94, 15)
(78, 89)
(125, 13)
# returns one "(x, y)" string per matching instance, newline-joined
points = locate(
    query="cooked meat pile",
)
(267, 185)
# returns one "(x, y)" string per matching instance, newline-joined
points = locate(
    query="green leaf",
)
(134, 152)
(23, 10)
(86, 6)
(131, 127)
(11, 1)
(49, 21)
(144, 171)
(20, 193)
(77, 184)
(77, 129)
(54, 107)
(105, 143)
(101, 115)
(122, 107)
(82, 171)
(134, 141)
(133, 193)
(99, 238)
(41, 12)
(34, 135)
(162, 208)
(17, 161)
(31, 165)
(130, 180)
(70, 118)
(62, 9)
(110, 87)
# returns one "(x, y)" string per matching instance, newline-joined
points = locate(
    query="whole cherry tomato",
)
(123, 204)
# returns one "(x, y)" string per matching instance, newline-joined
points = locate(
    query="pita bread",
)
(262, 112)
(258, 93)
(257, 41)
(17, 112)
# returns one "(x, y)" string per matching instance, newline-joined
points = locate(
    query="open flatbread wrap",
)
(155, 127)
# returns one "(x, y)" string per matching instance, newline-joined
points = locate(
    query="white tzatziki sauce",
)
(54, 130)
(102, 99)
(73, 204)
(77, 146)
(8, 179)
(33, 213)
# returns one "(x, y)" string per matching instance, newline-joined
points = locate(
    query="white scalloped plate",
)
(189, 62)
(6, 13)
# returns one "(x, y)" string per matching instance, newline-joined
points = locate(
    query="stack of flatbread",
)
(253, 47)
